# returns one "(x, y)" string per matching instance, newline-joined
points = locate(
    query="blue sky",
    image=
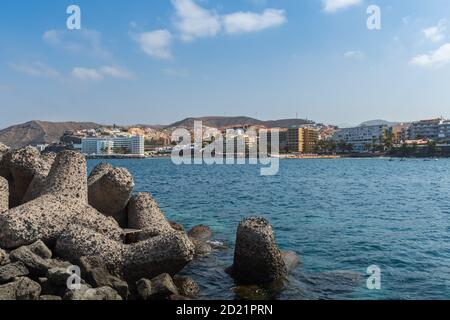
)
(160, 61)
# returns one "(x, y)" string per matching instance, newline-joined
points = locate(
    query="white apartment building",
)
(434, 129)
(444, 131)
(360, 137)
(425, 129)
(133, 145)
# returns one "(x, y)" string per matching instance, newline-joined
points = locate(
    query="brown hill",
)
(39, 132)
(219, 122)
(44, 132)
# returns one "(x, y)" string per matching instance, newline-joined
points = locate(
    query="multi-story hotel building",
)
(400, 132)
(425, 129)
(434, 129)
(444, 131)
(302, 140)
(360, 138)
(133, 145)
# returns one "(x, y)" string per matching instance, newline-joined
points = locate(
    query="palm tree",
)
(433, 150)
(414, 148)
(326, 146)
(404, 150)
(388, 140)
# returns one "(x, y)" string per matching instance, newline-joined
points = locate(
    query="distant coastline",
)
(282, 157)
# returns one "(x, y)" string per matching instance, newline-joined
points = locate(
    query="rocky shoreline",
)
(67, 236)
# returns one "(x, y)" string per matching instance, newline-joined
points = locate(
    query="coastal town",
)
(423, 138)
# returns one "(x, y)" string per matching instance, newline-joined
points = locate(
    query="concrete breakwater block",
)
(25, 164)
(37, 185)
(63, 201)
(166, 253)
(4, 195)
(110, 190)
(77, 241)
(145, 214)
(68, 178)
(257, 258)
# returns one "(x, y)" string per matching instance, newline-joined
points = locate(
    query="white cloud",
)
(332, 6)
(241, 22)
(84, 41)
(175, 73)
(98, 74)
(436, 33)
(36, 69)
(356, 55)
(434, 59)
(116, 72)
(86, 74)
(194, 21)
(156, 43)
(258, 2)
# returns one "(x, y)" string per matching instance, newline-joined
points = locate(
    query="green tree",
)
(388, 140)
(432, 149)
(343, 146)
(326, 146)
(414, 149)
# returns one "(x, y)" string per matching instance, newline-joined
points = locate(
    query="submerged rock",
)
(291, 260)
(328, 284)
(176, 226)
(200, 232)
(257, 258)
(202, 248)
(268, 291)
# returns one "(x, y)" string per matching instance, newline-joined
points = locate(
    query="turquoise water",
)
(344, 214)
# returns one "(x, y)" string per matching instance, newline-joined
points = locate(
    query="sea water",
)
(340, 216)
